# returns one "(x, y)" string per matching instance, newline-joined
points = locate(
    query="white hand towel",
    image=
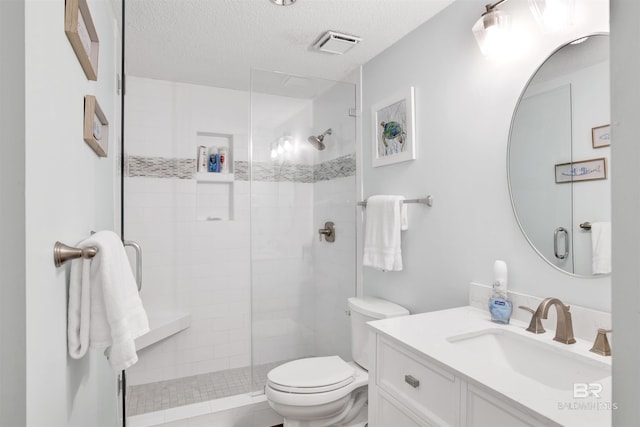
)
(79, 310)
(601, 247)
(112, 312)
(383, 223)
(404, 217)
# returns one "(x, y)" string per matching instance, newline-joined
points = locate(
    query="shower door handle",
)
(138, 251)
(556, 233)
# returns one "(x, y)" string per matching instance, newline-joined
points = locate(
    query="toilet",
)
(327, 391)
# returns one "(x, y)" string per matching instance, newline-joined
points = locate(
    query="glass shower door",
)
(300, 282)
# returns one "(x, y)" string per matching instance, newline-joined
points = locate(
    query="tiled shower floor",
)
(161, 395)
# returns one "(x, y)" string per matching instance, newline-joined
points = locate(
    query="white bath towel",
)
(601, 247)
(385, 218)
(105, 310)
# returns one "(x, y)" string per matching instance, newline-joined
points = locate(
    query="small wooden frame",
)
(82, 34)
(601, 136)
(96, 126)
(585, 170)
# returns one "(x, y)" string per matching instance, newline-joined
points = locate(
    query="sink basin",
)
(500, 349)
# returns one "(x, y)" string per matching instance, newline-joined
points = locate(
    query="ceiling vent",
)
(337, 43)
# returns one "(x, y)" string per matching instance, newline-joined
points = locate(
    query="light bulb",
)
(492, 32)
(553, 15)
(280, 149)
(287, 145)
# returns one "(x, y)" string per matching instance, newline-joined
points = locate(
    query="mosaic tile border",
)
(159, 167)
(162, 167)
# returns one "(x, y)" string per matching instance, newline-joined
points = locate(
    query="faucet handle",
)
(535, 325)
(601, 344)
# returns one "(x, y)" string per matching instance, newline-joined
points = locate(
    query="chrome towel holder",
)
(63, 253)
(424, 201)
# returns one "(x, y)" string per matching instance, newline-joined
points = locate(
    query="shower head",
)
(317, 141)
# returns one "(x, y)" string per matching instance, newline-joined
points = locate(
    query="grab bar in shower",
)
(138, 251)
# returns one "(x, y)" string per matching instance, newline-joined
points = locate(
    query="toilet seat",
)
(312, 375)
(304, 401)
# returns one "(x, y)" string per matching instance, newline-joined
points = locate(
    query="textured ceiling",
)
(217, 42)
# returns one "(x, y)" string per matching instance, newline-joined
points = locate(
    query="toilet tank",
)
(363, 310)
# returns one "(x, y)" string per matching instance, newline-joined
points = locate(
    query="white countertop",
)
(427, 334)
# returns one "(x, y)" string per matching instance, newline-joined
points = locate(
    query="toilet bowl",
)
(317, 391)
(327, 391)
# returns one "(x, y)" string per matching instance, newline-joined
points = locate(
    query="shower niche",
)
(215, 190)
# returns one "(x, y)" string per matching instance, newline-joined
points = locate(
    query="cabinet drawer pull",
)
(412, 381)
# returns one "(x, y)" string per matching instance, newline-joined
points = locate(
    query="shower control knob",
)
(329, 232)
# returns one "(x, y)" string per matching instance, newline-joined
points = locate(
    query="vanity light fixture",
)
(492, 29)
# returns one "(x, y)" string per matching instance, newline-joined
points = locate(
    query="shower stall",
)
(238, 256)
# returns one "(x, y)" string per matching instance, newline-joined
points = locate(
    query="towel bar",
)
(63, 253)
(425, 201)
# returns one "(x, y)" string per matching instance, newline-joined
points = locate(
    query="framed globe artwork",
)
(394, 129)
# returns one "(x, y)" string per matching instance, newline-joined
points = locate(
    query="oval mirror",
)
(558, 159)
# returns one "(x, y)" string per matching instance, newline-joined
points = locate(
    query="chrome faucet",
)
(564, 327)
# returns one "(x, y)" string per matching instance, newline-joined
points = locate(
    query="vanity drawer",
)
(389, 414)
(426, 389)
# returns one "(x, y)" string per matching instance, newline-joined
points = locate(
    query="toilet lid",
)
(312, 375)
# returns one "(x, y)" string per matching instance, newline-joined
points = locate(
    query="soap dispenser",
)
(500, 306)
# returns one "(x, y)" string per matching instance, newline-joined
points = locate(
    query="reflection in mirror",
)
(558, 161)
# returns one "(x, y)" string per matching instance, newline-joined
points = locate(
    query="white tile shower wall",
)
(164, 118)
(334, 272)
(201, 267)
(282, 240)
(197, 266)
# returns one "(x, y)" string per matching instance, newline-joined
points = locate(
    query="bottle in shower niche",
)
(203, 159)
(214, 159)
(223, 166)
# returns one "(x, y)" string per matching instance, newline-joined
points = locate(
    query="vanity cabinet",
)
(407, 389)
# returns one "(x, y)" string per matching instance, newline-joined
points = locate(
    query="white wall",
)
(464, 105)
(69, 192)
(625, 97)
(12, 216)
